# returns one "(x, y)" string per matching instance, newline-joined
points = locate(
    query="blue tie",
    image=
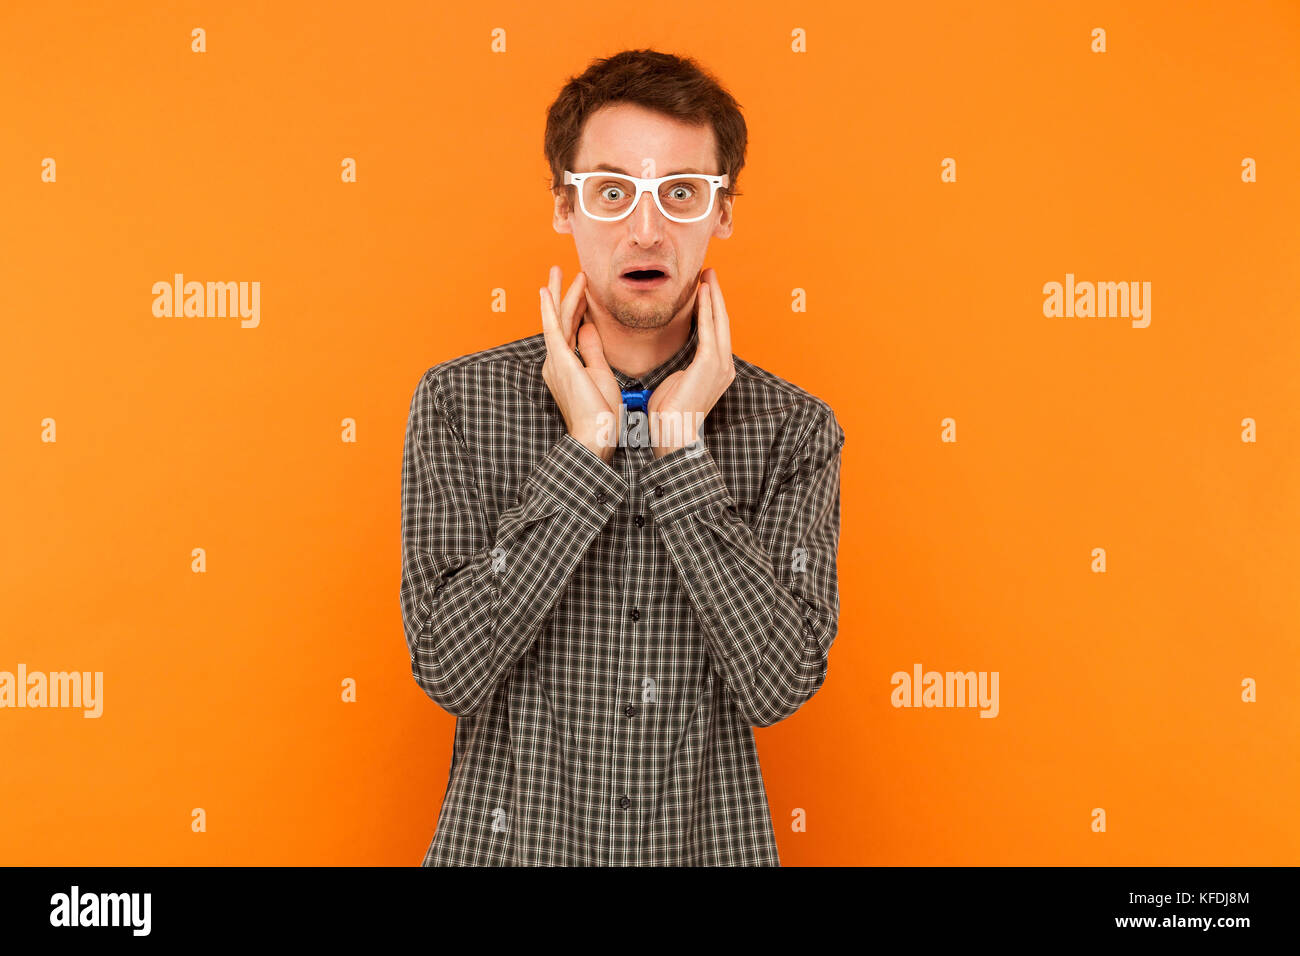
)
(637, 401)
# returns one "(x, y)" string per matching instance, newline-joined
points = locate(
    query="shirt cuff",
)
(579, 480)
(682, 480)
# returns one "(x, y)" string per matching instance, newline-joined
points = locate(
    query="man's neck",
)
(634, 352)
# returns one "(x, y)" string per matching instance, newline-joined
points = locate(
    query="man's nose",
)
(645, 220)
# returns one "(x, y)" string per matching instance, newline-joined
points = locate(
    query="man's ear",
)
(726, 220)
(562, 216)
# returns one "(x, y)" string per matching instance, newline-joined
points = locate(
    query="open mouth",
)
(645, 278)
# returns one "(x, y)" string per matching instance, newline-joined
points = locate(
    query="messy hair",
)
(675, 86)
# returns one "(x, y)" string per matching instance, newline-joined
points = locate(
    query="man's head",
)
(645, 114)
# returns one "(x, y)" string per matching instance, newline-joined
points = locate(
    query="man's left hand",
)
(689, 395)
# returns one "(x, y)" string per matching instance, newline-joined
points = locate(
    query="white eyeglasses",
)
(609, 197)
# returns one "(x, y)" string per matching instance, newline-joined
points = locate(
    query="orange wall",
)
(1119, 690)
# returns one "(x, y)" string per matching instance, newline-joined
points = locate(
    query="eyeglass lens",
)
(686, 197)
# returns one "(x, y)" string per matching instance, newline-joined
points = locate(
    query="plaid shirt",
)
(607, 634)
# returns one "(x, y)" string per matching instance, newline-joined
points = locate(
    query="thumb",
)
(593, 354)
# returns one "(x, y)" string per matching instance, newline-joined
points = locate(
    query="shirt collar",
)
(652, 378)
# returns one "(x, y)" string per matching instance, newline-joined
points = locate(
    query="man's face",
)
(630, 139)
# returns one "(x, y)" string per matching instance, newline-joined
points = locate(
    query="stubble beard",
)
(631, 317)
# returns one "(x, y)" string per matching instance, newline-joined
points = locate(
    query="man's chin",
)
(640, 322)
(637, 314)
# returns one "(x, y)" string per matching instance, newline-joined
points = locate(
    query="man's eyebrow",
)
(676, 172)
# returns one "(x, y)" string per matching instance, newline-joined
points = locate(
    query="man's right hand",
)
(588, 395)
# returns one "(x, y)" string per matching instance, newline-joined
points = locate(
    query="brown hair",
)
(676, 86)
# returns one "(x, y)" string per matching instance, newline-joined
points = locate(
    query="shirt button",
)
(636, 615)
(659, 491)
(600, 497)
(640, 521)
(629, 711)
(625, 801)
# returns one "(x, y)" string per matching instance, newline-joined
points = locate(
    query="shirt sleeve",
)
(765, 591)
(474, 598)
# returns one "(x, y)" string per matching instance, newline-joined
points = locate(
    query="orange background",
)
(222, 690)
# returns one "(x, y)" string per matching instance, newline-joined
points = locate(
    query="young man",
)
(607, 613)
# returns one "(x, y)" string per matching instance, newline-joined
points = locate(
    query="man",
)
(608, 616)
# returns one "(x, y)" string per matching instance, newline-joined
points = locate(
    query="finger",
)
(553, 279)
(577, 322)
(586, 307)
(593, 353)
(553, 282)
(707, 346)
(569, 309)
(593, 350)
(551, 325)
(721, 321)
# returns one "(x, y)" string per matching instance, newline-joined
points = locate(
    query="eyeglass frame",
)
(650, 186)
